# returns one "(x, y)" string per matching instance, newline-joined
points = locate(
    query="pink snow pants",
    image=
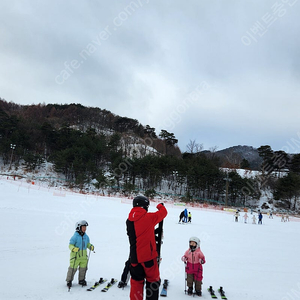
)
(196, 270)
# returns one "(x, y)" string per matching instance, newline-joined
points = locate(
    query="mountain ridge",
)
(233, 156)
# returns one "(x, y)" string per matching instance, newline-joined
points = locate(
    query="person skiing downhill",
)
(143, 254)
(78, 245)
(194, 259)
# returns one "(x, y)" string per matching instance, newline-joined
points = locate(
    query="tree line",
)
(93, 146)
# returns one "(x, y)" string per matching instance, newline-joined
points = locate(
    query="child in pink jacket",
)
(194, 259)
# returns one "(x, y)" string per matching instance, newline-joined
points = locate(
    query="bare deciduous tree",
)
(193, 147)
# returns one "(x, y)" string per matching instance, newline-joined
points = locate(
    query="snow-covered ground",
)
(249, 261)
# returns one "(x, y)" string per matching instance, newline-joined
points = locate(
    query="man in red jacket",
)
(143, 255)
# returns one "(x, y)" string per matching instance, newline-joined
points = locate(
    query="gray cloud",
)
(144, 59)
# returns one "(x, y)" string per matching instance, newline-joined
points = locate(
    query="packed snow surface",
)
(250, 261)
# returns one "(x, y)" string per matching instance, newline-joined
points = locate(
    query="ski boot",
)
(190, 291)
(82, 282)
(198, 293)
(69, 284)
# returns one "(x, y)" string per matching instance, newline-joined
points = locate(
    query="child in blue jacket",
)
(78, 245)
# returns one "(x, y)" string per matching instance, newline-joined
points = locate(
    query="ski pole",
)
(185, 282)
(185, 279)
(88, 259)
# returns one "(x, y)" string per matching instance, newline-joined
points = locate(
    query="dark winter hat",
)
(141, 201)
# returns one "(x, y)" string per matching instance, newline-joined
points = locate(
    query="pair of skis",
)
(106, 288)
(220, 290)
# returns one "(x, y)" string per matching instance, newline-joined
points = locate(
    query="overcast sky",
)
(221, 73)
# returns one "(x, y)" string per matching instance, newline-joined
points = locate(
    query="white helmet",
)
(79, 224)
(196, 240)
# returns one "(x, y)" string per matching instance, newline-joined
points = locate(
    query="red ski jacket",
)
(140, 230)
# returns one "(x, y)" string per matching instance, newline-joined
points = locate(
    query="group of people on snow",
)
(185, 217)
(245, 217)
(142, 265)
(285, 218)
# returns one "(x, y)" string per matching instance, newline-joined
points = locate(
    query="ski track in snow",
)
(250, 261)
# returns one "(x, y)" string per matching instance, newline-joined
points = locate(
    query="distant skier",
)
(260, 216)
(189, 217)
(253, 219)
(245, 217)
(194, 259)
(181, 216)
(271, 214)
(236, 216)
(78, 245)
(185, 216)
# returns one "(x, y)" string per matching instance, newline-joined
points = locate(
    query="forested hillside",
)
(90, 145)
